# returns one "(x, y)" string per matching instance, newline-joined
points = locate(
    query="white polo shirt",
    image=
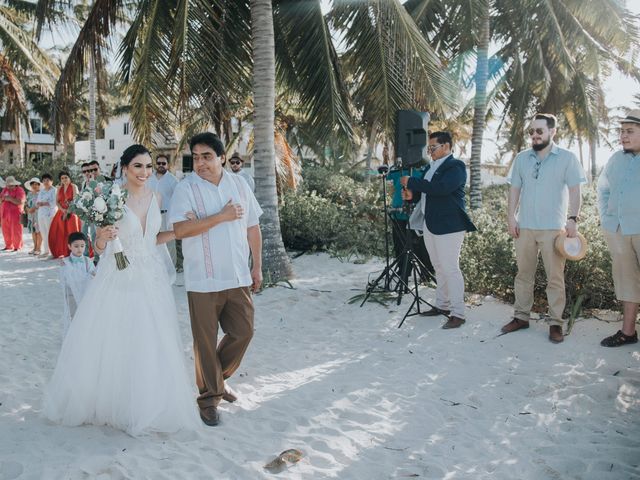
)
(217, 259)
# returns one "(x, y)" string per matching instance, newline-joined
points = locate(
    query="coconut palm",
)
(544, 48)
(184, 56)
(23, 67)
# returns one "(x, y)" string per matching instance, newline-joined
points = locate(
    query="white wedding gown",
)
(122, 362)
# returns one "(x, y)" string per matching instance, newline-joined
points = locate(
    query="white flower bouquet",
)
(102, 204)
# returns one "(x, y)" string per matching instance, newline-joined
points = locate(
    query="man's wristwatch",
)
(573, 217)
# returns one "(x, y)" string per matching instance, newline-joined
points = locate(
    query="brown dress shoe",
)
(435, 311)
(453, 322)
(555, 334)
(229, 395)
(210, 416)
(515, 324)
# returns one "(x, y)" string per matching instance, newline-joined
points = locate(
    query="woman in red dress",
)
(63, 222)
(12, 198)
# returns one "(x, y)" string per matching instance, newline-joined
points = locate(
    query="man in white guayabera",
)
(216, 247)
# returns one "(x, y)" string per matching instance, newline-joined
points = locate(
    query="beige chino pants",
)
(529, 243)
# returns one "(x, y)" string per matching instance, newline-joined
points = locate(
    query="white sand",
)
(361, 398)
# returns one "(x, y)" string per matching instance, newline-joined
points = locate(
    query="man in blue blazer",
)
(440, 196)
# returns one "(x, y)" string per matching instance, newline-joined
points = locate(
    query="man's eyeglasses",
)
(90, 170)
(161, 163)
(235, 162)
(539, 131)
(536, 169)
(433, 148)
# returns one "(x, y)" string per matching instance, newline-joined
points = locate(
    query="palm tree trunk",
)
(370, 149)
(276, 264)
(480, 106)
(92, 108)
(592, 156)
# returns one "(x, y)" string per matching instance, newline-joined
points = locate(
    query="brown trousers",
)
(233, 311)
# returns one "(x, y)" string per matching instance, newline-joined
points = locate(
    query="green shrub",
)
(333, 212)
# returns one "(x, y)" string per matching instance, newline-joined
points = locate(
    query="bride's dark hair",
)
(131, 152)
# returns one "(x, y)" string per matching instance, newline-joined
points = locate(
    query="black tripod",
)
(399, 268)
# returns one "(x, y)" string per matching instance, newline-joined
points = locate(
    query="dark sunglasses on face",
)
(539, 131)
(234, 162)
(161, 164)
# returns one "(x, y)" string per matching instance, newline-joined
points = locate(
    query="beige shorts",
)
(625, 257)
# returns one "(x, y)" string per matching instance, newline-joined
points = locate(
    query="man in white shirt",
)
(236, 162)
(164, 183)
(216, 246)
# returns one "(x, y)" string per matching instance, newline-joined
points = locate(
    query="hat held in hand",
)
(571, 248)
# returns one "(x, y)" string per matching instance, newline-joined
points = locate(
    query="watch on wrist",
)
(573, 217)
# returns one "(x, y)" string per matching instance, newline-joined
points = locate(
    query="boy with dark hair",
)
(75, 273)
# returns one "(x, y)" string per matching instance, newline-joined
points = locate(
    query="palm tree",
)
(24, 67)
(193, 59)
(264, 88)
(542, 49)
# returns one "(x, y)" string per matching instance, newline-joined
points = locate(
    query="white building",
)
(38, 147)
(118, 136)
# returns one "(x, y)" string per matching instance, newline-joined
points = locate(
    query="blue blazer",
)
(445, 210)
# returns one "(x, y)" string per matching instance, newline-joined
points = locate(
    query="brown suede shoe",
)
(210, 416)
(453, 322)
(435, 311)
(515, 324)
(555, 334)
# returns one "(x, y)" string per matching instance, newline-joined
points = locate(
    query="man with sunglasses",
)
(236, 162)
(441, 195)
(164, 182)
(96, 173)
(544, 200)
(618, 200)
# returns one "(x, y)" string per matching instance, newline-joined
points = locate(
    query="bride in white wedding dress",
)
(122, 362)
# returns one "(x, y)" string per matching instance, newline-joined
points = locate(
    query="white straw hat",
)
(27, 184)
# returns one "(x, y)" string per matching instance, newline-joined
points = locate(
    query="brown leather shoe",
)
(210, 416)
(435, 311)
(229, 395)
(555, 334)
(453, 322)
(515, 324)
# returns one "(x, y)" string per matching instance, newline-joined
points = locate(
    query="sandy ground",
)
(359, 397)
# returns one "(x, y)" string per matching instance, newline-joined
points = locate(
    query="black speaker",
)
(411, 136)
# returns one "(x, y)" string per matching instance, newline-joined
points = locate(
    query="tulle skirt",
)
(122, 363)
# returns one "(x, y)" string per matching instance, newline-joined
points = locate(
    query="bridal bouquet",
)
(102, 204)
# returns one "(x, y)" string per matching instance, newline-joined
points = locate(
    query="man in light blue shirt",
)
(619, 207)
(545, 183)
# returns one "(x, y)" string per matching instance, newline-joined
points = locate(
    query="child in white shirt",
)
(75, 273)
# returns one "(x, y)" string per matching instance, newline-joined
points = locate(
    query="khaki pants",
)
(625, 259)
(444, 251)
(233, 311)
(528, 245)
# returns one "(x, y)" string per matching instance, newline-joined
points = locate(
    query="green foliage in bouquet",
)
(102, 204)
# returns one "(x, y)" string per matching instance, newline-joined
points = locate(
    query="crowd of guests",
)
(544, 204)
